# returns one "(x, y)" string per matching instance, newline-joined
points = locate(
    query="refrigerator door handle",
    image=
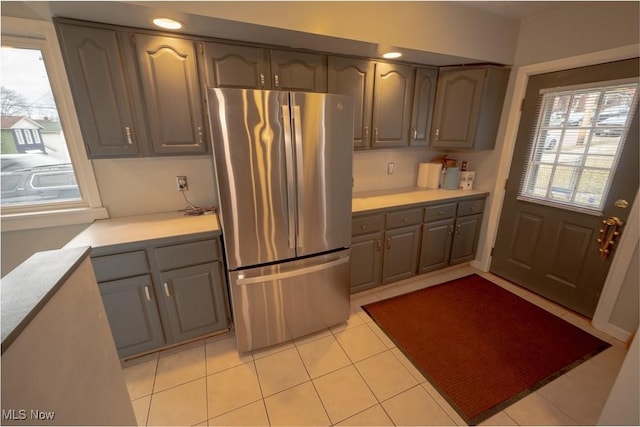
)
(286, 274)
(289, 162)
(297, 123)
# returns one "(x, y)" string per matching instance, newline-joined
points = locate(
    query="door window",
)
(577, 143)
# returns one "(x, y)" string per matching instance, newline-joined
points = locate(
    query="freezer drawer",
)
(281, 302)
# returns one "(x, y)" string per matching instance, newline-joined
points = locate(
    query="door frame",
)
(508, 133)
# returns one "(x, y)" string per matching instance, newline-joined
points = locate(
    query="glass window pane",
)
(36, 166)
(577, 143)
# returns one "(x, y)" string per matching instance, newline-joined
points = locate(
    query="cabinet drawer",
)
(119, 266)
(471, 207)
(367, 224)
(184, 254)
(404, 218)
(435, 213)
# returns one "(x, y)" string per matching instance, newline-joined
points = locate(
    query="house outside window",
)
(46, 178)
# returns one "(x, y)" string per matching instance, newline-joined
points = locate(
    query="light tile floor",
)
(350, 374)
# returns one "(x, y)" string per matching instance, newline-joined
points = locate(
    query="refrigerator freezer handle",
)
(287, 274)
(289, 162)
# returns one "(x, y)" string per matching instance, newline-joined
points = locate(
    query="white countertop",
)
(381, 199)
(123, 230)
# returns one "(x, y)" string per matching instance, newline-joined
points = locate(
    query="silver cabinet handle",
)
(365, 132)
(437, 134)
(458, 229)
(127, 131)
(262, 80)
(388, 245)
(276, 81)
(415, 134)
(375, 133)
(166, 290)
(378, 245)
(200, 135)
(450, 229)
(146, 293)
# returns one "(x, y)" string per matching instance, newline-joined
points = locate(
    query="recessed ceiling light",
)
(391, 55)
(168, 23)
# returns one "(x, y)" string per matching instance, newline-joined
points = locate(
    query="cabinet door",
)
(133, 314)
(465, 238)
(436, 245)
(172, 97)
(236, 66)
(297, 71)
(458, 102)
(392, 105)
(103, 96)
(366, 261)
(351, 76)
(194, 299)
(400, 253)
(424, 96)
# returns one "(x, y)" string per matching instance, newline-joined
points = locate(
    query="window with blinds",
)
(576, 144)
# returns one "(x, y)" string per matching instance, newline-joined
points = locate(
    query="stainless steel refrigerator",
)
(283, 164)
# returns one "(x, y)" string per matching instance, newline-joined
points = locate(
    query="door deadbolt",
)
(621, 203)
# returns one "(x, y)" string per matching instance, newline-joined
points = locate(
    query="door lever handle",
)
(608, 233)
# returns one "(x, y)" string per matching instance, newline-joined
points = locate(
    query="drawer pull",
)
(440, 212)
(363, 227)
(146, 293)
(166, 290)
(405, 219)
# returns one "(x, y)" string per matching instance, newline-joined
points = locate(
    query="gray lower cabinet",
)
(194, 301)
(450, 234)
(384, 248)
(133, 315)
(398, 243)
(156, 296)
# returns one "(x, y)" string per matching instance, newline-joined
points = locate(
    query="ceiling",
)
(517, 10)
(202, 21)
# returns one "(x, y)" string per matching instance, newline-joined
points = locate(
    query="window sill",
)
(53, 218)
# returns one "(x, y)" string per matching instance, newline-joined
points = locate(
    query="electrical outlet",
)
(390, 168)
(182, 183)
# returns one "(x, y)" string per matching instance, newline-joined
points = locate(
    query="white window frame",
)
(41, 35)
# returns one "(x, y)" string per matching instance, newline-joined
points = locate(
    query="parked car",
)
(613, 126)
(36, 177)
(618, 110)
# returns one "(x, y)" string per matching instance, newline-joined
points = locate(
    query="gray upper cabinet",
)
(235, 66)
(393, 89)
(424, 95)
(468, 107)
(298, 71)
(104, 96)
(352, 76)
(171, 94)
